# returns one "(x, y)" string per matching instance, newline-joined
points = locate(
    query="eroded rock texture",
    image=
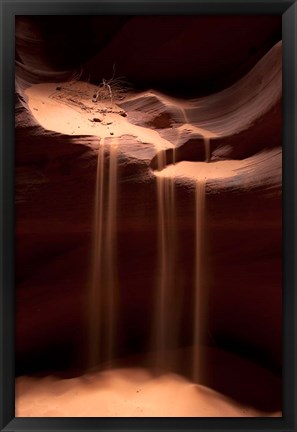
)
(56, 178)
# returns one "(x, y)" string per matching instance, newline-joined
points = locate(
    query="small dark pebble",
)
(58, 88)
(111, 133)
(123, 114)
(96, 119)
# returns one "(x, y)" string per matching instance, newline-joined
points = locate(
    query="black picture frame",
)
(11, 8)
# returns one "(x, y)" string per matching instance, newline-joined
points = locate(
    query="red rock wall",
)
(55, 187)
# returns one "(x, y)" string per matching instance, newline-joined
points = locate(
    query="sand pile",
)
(123, 393)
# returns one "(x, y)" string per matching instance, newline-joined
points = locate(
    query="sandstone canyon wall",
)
(224, 79)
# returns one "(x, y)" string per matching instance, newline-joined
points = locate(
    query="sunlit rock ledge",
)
(58, 133)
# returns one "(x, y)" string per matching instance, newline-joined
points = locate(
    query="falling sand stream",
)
(166, 331)
(167, 321)
(199, 250)
(103, 292)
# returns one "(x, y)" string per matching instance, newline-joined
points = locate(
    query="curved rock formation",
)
(207, 53)
(58, 133)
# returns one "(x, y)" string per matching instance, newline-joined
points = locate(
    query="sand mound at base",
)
(122, 393)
